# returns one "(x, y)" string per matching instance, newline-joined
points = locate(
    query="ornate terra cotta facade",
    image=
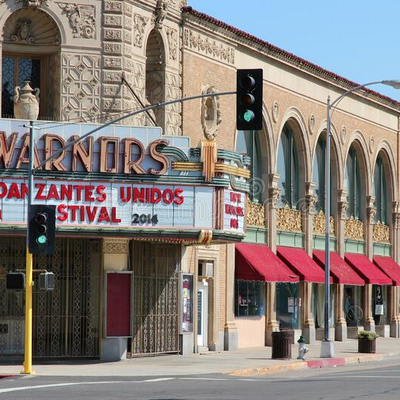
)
(95, 61)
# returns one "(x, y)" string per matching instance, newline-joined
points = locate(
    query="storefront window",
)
(318, 302)
(352, 305)
(250, 298)
(379, 304)
(288, 305)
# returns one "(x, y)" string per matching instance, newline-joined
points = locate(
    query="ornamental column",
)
(308, 323)
(271, 324)
(341, 324)
(395, 297)
(230, 329)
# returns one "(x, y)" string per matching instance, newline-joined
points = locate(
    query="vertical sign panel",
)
(118, 304)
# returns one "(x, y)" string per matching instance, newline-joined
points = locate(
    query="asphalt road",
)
(367, 381)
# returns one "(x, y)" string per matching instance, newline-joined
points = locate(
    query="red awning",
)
(302, 264)
(368, 270)
(257, 262)
(389, 267)
(341, 272)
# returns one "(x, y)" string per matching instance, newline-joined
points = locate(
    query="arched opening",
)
(155, 75)
(248, 143)
(288, 168)
(353, 186)
(31, 51)
(380, 191)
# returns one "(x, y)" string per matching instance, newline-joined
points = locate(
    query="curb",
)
(319, 363)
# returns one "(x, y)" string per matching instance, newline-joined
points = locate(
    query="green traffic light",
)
(42, 239)
(248, 116)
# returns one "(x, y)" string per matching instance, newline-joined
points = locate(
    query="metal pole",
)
(29, 265)
(327, 219)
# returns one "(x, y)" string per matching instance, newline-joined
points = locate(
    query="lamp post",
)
(327, 350)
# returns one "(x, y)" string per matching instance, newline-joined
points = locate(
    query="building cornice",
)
(268, 49)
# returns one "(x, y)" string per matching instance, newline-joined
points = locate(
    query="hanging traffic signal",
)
(15, 281)
(249, 97)
(41, 229)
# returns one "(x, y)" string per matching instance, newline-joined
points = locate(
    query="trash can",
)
(282, 344)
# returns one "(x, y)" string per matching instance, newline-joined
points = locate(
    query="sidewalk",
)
(243, 362)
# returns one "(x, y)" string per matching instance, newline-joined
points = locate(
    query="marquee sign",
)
(119, 177)
(111, 204)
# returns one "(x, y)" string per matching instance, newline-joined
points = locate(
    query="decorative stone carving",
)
(342, 208)
(275, 111)
(113, 6)
(160, 13)
(23, 32)
(113, 34)
(26, 102)
(319, 224)
(343, 134)
(255, 214)
(32, 3)
(115, 246)
(381, 233)
(311, 200)
(396, 214)
(81, 95)
(289, 220)
(178, 3)
(354, 229)
(172, 36)
(212, 48)
(31, 26)
(274, 194)
(173, 112)
(139, 25)
(371, 213)
(311, 124)
(81, 19)
(371, 144)
(210, 113)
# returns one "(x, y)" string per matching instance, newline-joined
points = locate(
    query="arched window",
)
(352, 184)
(31, 52)
(319, 175)
(248, 142)
(380, 192)
(288, 169)
(155, 75)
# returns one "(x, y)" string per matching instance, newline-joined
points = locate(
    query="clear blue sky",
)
(357, 39)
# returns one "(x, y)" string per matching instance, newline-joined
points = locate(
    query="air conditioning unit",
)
(206, 270)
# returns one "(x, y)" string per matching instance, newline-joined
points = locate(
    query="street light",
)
(327, 350)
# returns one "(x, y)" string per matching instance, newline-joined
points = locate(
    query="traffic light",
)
(42, 229)
(15, 280)
(46, 281)
(249, 97)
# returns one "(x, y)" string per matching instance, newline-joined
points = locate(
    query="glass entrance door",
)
(202, 314)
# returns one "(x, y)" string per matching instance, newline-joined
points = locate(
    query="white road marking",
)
(53, 385)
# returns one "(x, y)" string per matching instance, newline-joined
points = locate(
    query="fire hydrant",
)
(302, 348)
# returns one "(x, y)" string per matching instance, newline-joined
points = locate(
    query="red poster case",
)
(118, 304)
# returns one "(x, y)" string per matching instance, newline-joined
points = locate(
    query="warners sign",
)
(119, 150)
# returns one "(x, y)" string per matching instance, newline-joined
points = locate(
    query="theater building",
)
(175, 232)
